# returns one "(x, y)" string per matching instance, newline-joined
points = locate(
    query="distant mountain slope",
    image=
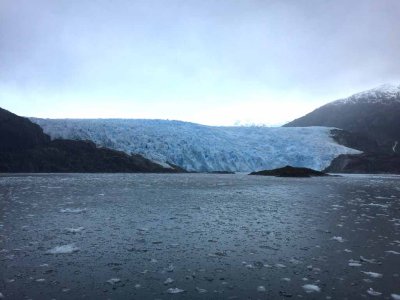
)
(18, 133)
(374, 113)
(206, 148)
(25, 148)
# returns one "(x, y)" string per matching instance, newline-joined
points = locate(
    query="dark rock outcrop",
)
(290, 171)
(366, 163)
(25, 148)
(355, 141)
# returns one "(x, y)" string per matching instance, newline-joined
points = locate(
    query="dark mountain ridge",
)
(25, 148)
(374, 114)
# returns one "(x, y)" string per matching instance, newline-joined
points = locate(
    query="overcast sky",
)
(214, 62)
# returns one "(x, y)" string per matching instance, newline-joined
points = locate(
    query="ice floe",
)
(175, 291)
(338, 238)
(201, 291)
(113, 281)
(372, 292)
(311, 288)
(73, 210)
(373, 274)
(63, 249)
(74, 230)
(168, 281)
(261, 289)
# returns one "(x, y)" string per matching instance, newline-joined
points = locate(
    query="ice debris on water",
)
(373, 274)
(201, 291)
(73, 210)
(168, 281)
(261, 288)
(395, 296)
(170, 268)
(175, 291)
(64, 249)
(369, 260)
(372, 292)
(311, 288)
(113, 281)
(74, 230)
(338, 238)
(393, 252)
(354, 263)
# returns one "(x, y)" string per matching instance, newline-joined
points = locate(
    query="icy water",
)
(199, 236)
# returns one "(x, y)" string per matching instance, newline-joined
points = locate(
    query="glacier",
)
(203, 148)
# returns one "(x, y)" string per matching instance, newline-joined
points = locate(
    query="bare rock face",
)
(366, 163)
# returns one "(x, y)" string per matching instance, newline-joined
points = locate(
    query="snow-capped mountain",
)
(205, 148)
(374, 113)
(385, 93)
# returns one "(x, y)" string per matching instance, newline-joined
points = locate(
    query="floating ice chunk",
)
(372, 292)
(174, 291)
(347, 250)
(395, 296)
(311, 288)
(378, 205)
(113, 281)
(338, 238)
(280, 266)
(261, 289)
(2, 296)
(393, 252)
(170, 268)
(138, 286)
(74, 230)
(373, 274)
(371, 260)
(294, 261)
(168, 281)
(64, 249)
(353, 263)
(286, 279)
(201, 291)
(73, 210)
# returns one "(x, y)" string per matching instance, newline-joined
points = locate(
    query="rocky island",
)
(290, 171)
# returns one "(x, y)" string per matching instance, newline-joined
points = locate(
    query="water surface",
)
(145, 236)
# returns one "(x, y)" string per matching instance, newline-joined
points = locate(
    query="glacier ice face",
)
(198, 147)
